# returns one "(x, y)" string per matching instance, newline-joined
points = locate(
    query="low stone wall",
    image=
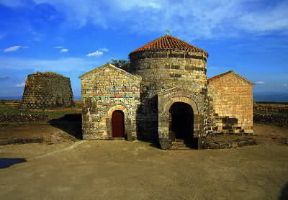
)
(277, 119)
(273, 113)
(227, 142)
(23, 117)
(271, 107)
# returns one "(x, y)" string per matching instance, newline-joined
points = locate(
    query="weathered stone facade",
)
(47, 90)
(169, 101)
(104, 90)
(232, 100)
(169, 76)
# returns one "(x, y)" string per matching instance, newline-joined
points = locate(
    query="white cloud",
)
(97, 53)
(12, 3)
(20, 84)
(104, 49)
(189, 19)
(64, 50)
(14, 48)
(269, 19)
(259, 82)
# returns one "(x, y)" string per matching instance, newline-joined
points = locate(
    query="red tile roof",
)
(168, 42)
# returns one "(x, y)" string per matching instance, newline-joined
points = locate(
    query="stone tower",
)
(47, 90)
(174, 82)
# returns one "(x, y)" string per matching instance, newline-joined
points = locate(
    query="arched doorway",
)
(118, 128)
(181, 123)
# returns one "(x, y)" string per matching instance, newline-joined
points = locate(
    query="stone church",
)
(165, 96)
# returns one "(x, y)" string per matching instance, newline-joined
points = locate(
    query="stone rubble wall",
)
(273, 118)
(47, 90)
(232, 100)
(271, 113)
(267, 108)
(105, 90)
(23, 117)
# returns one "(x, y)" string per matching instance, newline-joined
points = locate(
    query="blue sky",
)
(71, 37)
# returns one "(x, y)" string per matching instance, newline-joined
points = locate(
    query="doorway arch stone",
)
(165, 118)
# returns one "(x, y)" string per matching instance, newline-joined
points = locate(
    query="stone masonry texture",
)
(104, 90)
(232, 100)
(47, 90)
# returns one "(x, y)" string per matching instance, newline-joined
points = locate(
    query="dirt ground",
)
(139, 170)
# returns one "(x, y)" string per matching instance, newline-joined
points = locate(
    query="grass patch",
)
(11, 108)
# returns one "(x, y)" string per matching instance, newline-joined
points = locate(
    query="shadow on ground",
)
(151, 143)
(284, 192)
(69, 123)
(7, 162)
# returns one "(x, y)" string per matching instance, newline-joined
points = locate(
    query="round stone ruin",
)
(47, 90)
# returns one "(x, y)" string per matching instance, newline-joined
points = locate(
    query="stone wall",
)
(274, 113)
(162, 71)
(104, 90)
(23, 117)
(268, 108)
(232, 100)
(47, 90)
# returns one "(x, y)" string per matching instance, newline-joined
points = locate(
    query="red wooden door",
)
(118, 124)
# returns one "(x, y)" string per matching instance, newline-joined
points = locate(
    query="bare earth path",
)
(137, 170)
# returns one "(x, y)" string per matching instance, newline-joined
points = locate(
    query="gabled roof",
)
(113, 67)
(168, 42)
(229, 72)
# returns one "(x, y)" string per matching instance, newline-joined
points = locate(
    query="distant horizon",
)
(257, 97)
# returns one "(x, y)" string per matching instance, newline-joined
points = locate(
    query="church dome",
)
(168, 42)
